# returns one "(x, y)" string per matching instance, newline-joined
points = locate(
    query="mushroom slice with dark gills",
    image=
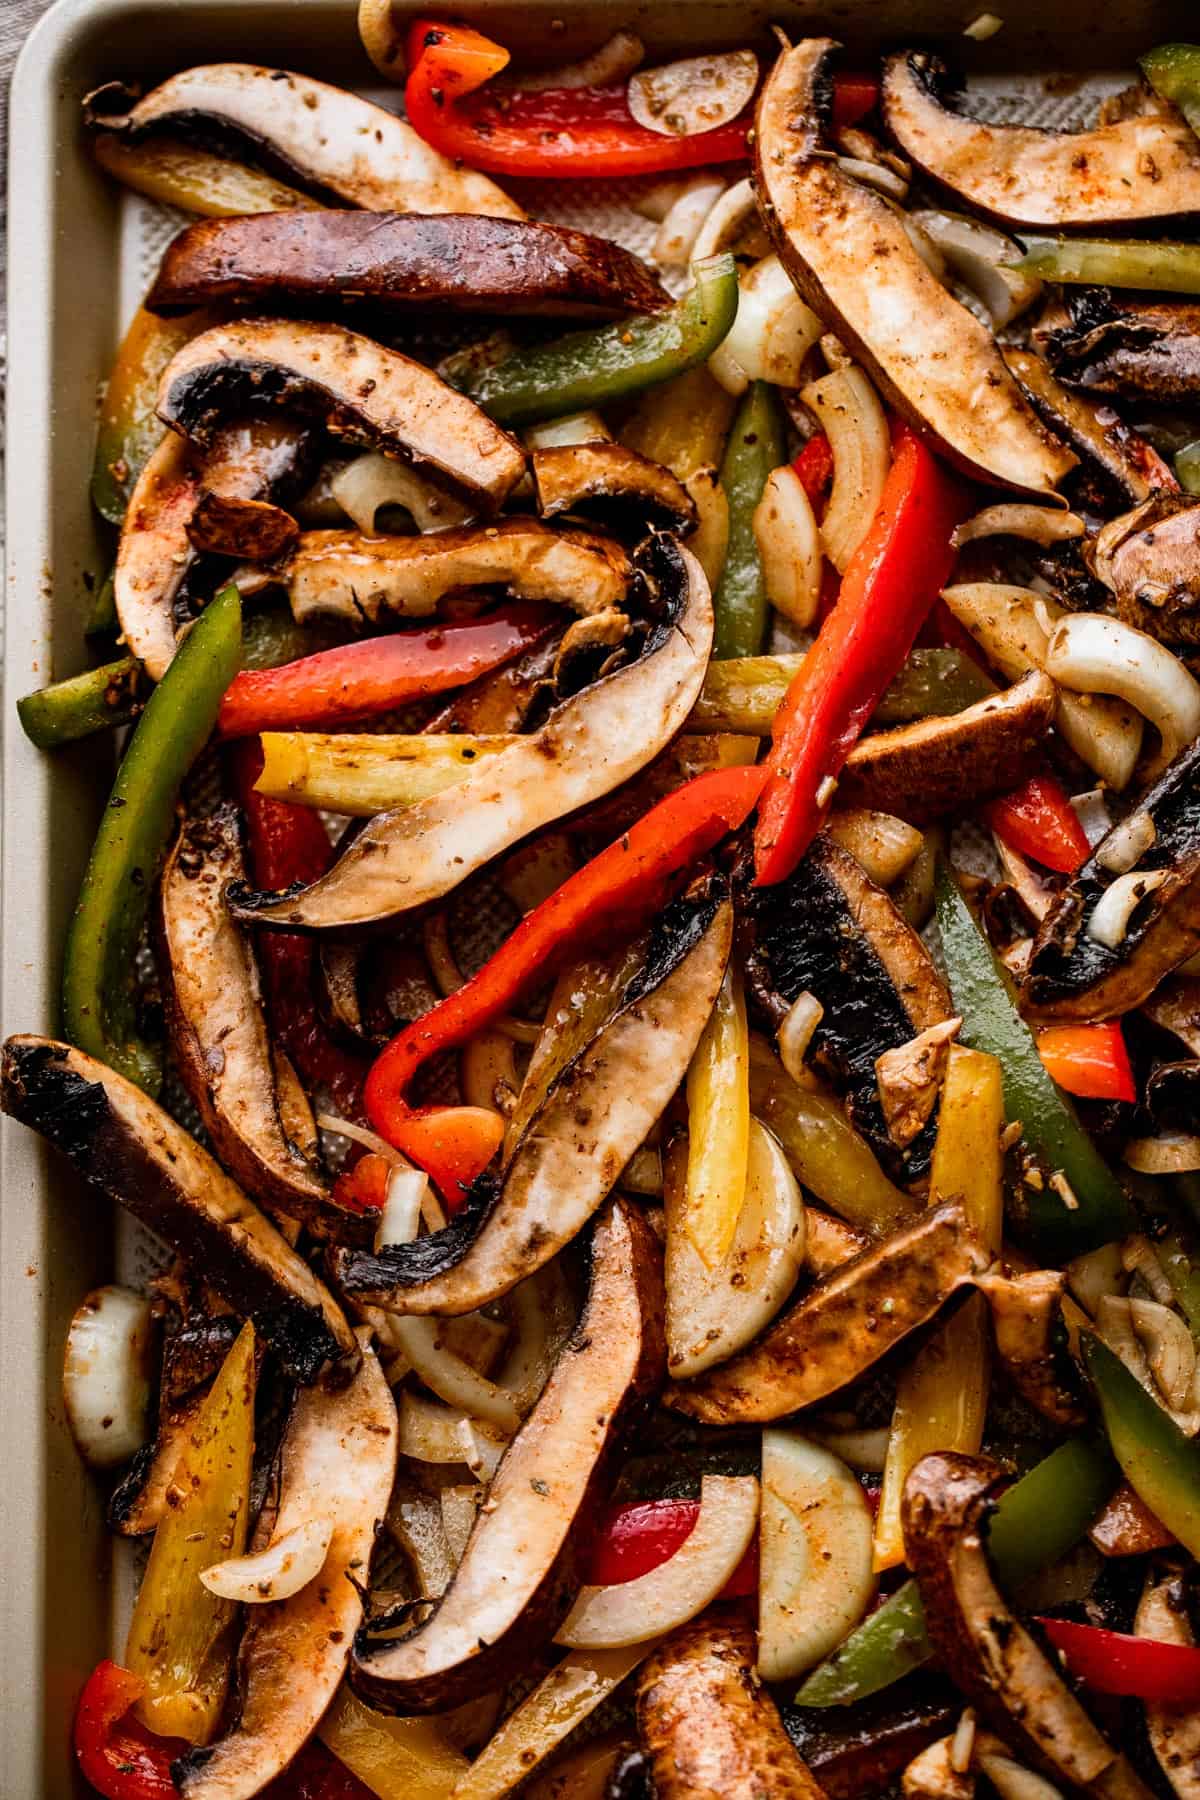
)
(357, 389)
(1112, 345)
(933, 359)
(615, 486)
(218, 1033)
(1026, 1314)
(997, 1664)
(336, 145)
(573, 1149)
(337, 1466)
(1125, 459)
(128, 1149)
(346, 575)
(842, 1326)
(1132, 170)
(520, 1570)
(588, 745)
(1101, 949)
(192, 1357)
(1150, 559)
(709, 1728)
(830, 931)
(400, 261)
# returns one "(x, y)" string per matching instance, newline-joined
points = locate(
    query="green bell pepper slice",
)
(1187, 467)
(98, 992)
(755, 446)
(1161, 1465)
(129, 427)
(1168, 268)
(1036, 1522)
(1173, 71)
(603, 363)
(991, 1021)
(97, 700)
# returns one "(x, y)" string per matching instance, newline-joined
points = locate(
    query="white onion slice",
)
(450, 1377)
(864, 1449)
(607, 1618)
(1012, 1780)
(1091, 809)
(1118, 903)
(875, 175)
(1043, 525)
(789, 546)
(1125, 845)
(852, 418)
(287, 1564)
(675, 243)
(572, 428)
(1092, 653)
(374, 481)
(816, 1574)
(726, 221)
(695, 94)
(401, 1213)
(979, 256)
(772, 333)
(616, 59)
(432, 1432)
(106, 1376)
(1169, 1349)
(795, 1034)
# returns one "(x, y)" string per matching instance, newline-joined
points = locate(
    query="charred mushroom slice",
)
(1073, 974)
(1026, 1322)
(1127, 460)
(594, 1116)
(337, 1465)
(129, 1150)
(1132, 170)
(228, 526)
(1174, 1735)
(859, 1751)
(841, 1327)
(709, 1728)
(997, 1664)
(587, 747)
(1119, 346)
(1150, 559)
(830, 931)
(518, 1573)
(398, 260)
(191, 1358)
(328, 141)
(932, 357)
(344, 574)
(358, 390)
(939, 765)
(218, 1034)
(613, 485)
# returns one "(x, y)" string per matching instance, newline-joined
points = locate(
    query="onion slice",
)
(1091, 653)
(1122, 848)
(287, 1564)
(1111, 915)
(106, 1376)
(854, 421)
(675, 243)
(789, 546)
(772, 334)
(1042, 525)
(631, 1612)
(980, 256)
(365, 486)
(795, 1034)
(726, 221)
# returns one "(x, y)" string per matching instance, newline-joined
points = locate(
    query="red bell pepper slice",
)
(1088, 1060)
(288, 843)
(553, 132)
(854, 96)
(1039, 821)
(814, 466)
(363, 1188)
(890, 583)
(615, 892)
(635, 1538)
(357, 681)
(1116, 1662)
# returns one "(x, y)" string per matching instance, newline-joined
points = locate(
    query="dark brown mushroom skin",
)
(1154, 568)
(860, 1750)
(1109, 344)
(709, 1729)
(1071, 975)
(254, 530)
(1125, 462)
(459, 261)
(191, 1358)
(1030, 1341)
(611, 485)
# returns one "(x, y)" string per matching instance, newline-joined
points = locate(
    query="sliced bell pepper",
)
(1173, 71)
(612, 894)
(755, 446)
(178, 174)
(1161, 1465)
(360, 680)
(603, 363)
(1038, 820)
(1093, 1209)
(364, 1187)
(1166, 268)
(119, 1757)
(1187, 467)
(814, 466)
(1090, 1061)
(891, 581)
(288, 843)
(636, 1537)
(1116, 1662)
(718, 1109)
(968, 1163)
(1036, 1522)
(550, 132)
(98, 992)
(854, 96)
(129, 427)
(97, 700)
(743, 694)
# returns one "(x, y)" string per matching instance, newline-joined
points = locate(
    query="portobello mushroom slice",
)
(218, 1033)
(1129, 171)
(337, 1465)
(192, 1356)
(842, 1326)
(331, 143)
(520, 1570)
(255, 529)
(1112, 345)
(1001, 1670)
(611, 484)
(1124, 457)
(860, 1750)
(589, 745)
(354, 387)
(1174, 1735)
(1072, 974)
(347, 575)
(1150, 559)
(1026, 1323)
(938, 765)
(390, 260)
(932, 358)
(830, 931)
(128, 1149)
(708, 1727)
(594, 1116)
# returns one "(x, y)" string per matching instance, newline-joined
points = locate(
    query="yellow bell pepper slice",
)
(718, 1102)
(360, 774)
(968, 1163)
(398, 1759)
(178, 174)
(129, 428)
